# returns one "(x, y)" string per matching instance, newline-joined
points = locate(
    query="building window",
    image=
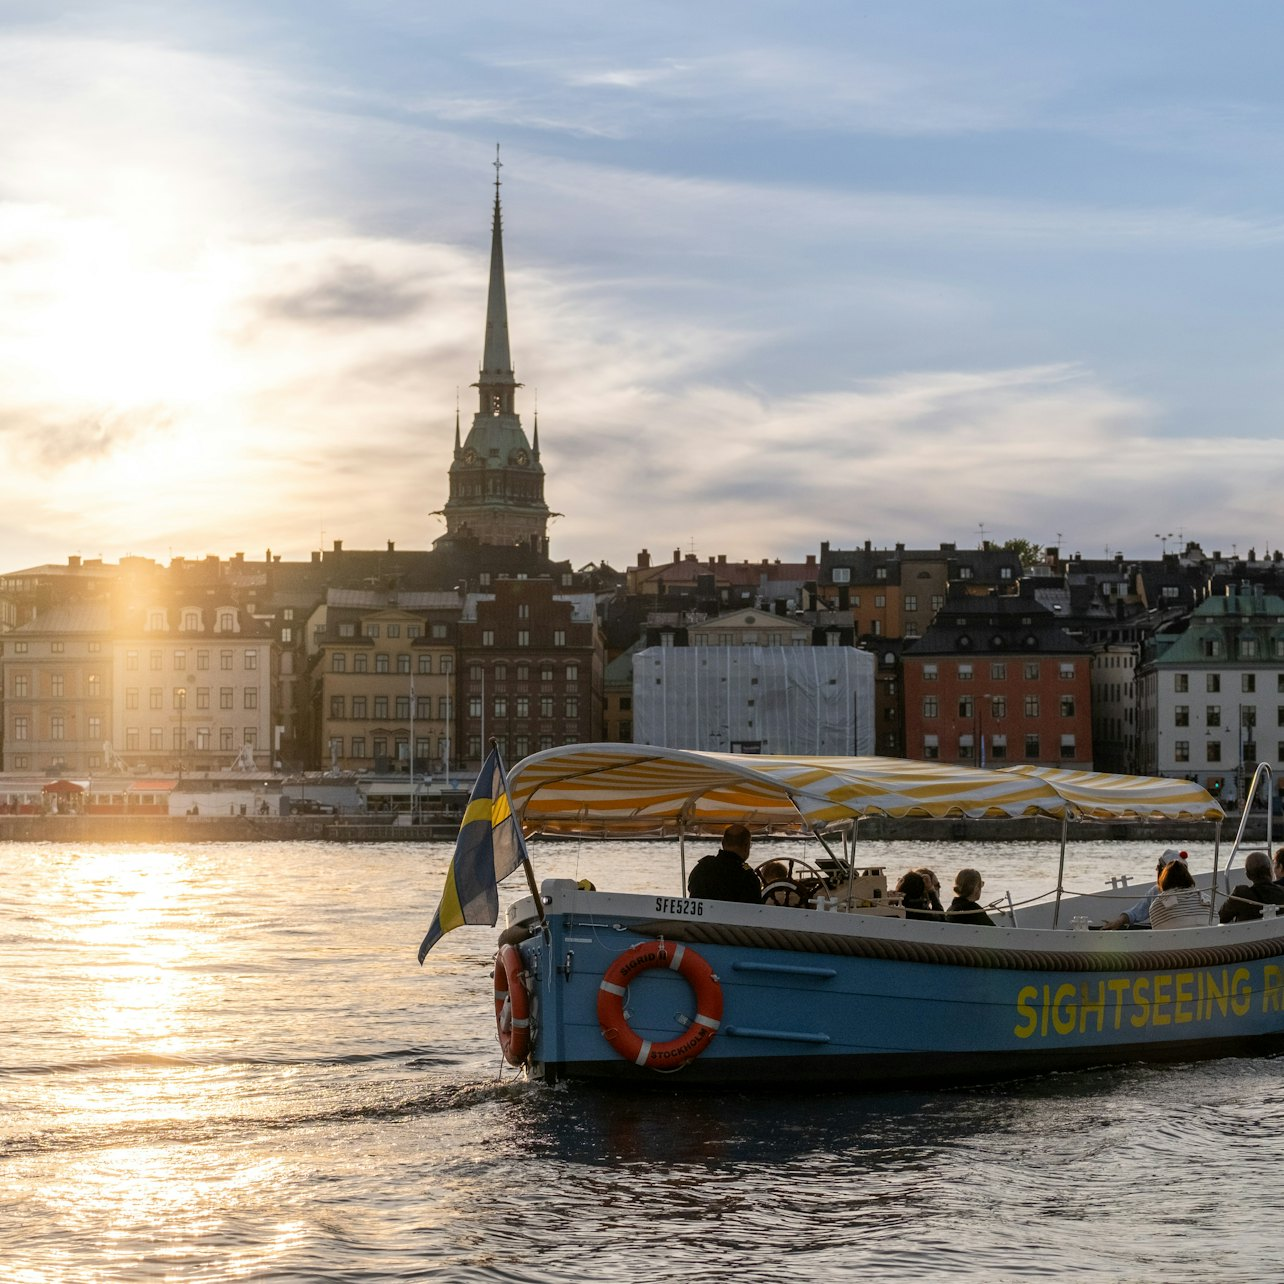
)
(131, 660)
(443, 708)
(929, 673)
(336, 706)
(1181, 682)
(1248, 682)
(841, 575)
(559, 637)
(226, 696)
(523, 706)
(156, 738)
(488, 637)
(425, 664)
(966, 747)
(999, 748)
(358, 706)
(911, 602)
(1248, 648)
(1181, 716)
(202, 660)
(1212, 682)
(930, 708)
(1066, 671)
(572, 707)
(225, 738)
(965, 673)
(21, 729)
(546, 706)
(931, 747)
(360, 662)
(56, 684)
(1032, 706)
(131, 698)
(423, 707)
(403, 664)
(339, 662)
(20, 685)
(999, 707)
(1067, 706)
(403, 708)
(1032, 671)
(156, 698)
(966, 707)
(358, 746)
(1031, 744)
(370, 630)
(381, 662)
(475, 706)
(154, 660)
(347, 629)
(94, 686)
(998, 672)
(202, 697)
(1213, 751)
(225, 661)
(381, 707)
(1181, 751)
(1213, 715)
(1067, 746)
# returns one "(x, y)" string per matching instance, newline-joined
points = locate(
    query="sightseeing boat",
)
(843, 989)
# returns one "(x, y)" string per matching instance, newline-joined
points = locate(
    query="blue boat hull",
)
(831, 999)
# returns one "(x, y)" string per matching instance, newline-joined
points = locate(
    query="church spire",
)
(495, 383)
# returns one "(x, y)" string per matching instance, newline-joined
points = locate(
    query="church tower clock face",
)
(470, 456)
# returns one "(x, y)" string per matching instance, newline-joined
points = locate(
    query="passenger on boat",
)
(725, 875)
(932, 884)
(964, 907)
(1178, 903)
(1139, 915)
(777, 887)
(914, 897)
(1245, 903)
(1279, 866)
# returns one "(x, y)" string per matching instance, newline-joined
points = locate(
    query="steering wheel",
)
(801, 883)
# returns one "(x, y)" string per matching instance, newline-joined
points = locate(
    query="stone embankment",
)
(361, 829)
(218, 829)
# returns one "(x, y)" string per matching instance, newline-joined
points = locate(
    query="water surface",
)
(221, 1062)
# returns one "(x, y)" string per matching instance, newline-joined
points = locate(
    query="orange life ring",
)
(512, 1006)
(688, 1045)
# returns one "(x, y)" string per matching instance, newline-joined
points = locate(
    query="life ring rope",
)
(674, 1053)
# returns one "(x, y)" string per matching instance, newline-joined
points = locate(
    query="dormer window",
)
(155, 621)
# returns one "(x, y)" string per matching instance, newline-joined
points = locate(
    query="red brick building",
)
(530, 669)
(996, 680)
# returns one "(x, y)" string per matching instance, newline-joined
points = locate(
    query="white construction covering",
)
(755, 699)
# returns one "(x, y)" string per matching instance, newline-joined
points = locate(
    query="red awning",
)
(62, 787)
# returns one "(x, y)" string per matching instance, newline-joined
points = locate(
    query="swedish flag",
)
(489, 847)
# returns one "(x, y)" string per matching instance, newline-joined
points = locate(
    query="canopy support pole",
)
(1061, 868)
(1212, 887)
(682, 855)
(851, 861)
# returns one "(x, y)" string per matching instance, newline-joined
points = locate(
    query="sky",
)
(777, 273)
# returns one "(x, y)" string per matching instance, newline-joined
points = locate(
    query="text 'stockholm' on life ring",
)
(688, 1045)
(512, 1006)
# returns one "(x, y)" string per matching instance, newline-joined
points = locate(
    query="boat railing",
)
(1262, 773)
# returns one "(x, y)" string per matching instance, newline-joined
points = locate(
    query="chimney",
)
(722, 559)
(392, 548)
(338, 546)
(811, 561)
(74, 562)
(677, 556)
(644, 560)
(316, 556)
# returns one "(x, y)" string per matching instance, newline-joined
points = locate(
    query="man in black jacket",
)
(725, 876)
(1245, 902)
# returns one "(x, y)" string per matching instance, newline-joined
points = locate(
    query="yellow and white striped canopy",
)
(620, 789)
(1098, 795)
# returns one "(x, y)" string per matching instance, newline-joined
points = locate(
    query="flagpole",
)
(526, 860)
